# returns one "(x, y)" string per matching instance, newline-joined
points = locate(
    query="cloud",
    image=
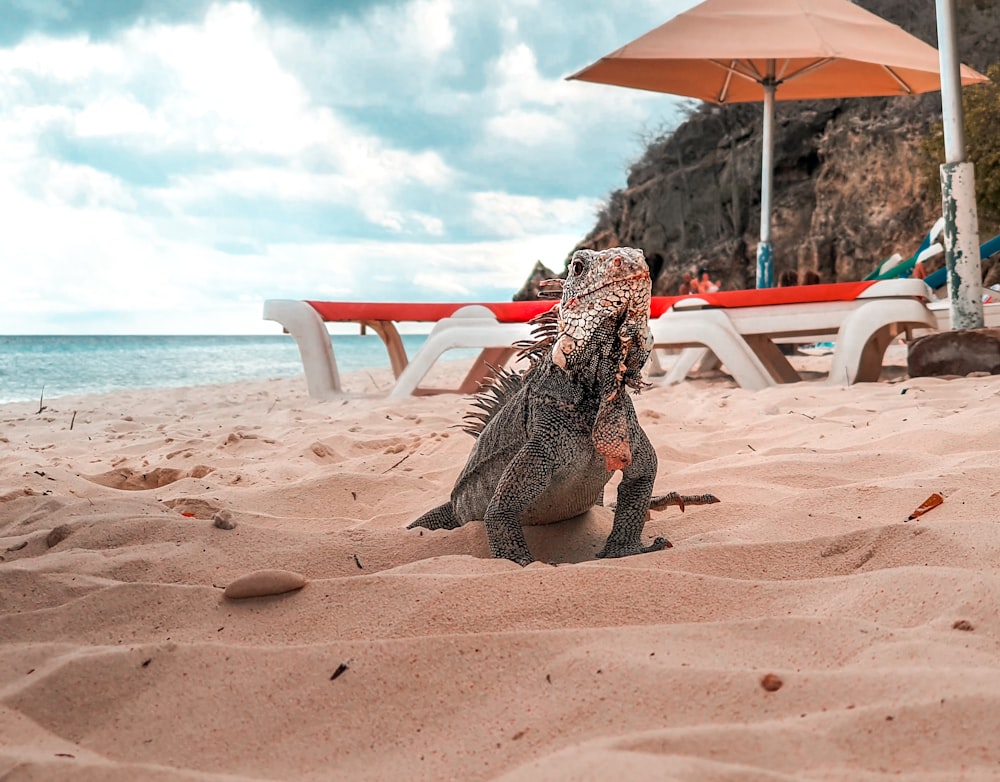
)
(503, 214)
(102, 19)
(443, 284)
(234, 106)
(231, 151)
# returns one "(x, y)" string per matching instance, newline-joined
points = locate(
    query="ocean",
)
(60, 366)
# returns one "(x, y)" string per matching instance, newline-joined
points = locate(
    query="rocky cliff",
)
(850, 186)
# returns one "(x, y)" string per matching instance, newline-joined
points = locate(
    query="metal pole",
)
(958, 185)
(765, 261)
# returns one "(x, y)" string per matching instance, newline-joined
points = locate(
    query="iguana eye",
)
(577, 268)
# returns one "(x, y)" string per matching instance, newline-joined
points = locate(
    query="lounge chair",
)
(492, 327)
(742, 328)
(939, 278)
(739, 327)
(942, 307)
(896, 266)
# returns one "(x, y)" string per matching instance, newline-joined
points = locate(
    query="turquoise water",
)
(99, 364)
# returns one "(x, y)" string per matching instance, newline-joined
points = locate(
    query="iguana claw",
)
(612, 551)
(520, 557)
(681, 500)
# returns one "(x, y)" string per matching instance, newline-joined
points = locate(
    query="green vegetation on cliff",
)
(981, 104)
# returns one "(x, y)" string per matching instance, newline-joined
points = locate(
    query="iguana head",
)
(599, 334)
(603, 335)
(604, 289)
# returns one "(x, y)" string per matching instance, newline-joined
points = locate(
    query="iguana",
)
(548, 439)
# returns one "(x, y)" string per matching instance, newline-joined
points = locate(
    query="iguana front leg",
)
(632, 507)
(524, 480)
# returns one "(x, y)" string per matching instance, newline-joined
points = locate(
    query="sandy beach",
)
(800, 629)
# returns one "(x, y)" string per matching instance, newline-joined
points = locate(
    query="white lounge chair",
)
(941, 309)
(490, 327)
(741, 328)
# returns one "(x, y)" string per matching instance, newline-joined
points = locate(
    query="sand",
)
(800, 629)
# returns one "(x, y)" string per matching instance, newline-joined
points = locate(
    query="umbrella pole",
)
(958, 186)
(765, 262)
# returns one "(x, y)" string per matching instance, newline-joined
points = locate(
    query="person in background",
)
(705, 284)
(811, 278)
(687, 284)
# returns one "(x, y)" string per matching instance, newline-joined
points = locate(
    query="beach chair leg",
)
(473, 326)
(393, 343)
(315, 348)
(653, 366)
(481, 371)
(865, 334)
(772, 358)
(870, 365)
(716, 332)
(709, 362)
(684, 362)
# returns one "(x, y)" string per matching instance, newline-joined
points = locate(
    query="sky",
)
(165, 167)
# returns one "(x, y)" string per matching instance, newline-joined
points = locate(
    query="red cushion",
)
(431, 312)
(523, 311)
(760, 297)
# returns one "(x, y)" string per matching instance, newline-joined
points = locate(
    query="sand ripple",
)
(412, 655)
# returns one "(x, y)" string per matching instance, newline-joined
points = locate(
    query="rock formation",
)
(850, 185)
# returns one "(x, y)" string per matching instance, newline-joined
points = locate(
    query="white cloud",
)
(518, 81)
(171, 176)
(74, 60)
(118, 116)
(228, 95)
(384, 271)
(230, 91)
(442, 283)
(550, 118)
(522, 216)
(82, 186)
(526, 128)
(430, 21)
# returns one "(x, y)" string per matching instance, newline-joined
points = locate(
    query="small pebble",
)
(261, 583)
(223, 519)
(771, 682)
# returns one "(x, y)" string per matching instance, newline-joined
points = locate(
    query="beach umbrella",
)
(738, 51)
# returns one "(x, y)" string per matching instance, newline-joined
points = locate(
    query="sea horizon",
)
(56, 365)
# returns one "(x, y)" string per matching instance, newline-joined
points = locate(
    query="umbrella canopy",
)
(732, 51)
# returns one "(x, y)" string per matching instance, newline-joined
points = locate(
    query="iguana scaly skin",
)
(549, 439)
